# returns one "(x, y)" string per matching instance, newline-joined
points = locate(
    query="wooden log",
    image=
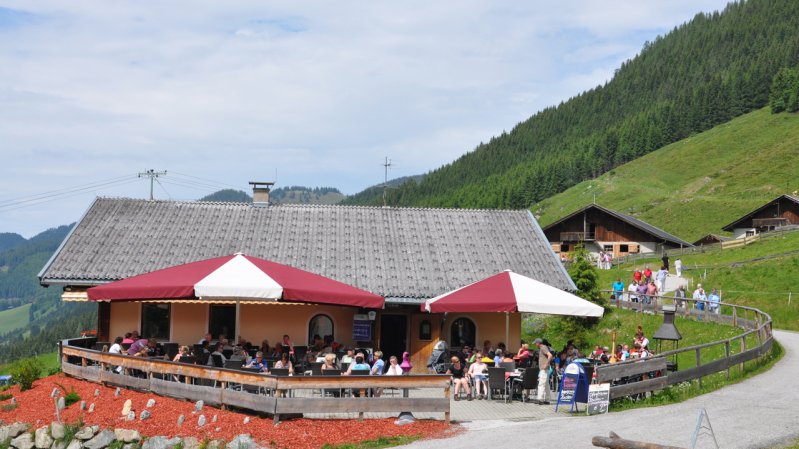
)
(616, 442)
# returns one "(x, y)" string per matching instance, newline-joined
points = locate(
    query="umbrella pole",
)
(238, 328)
(507, 326)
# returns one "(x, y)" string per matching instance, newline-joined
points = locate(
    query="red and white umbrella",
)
(511, 292)
(237, 277)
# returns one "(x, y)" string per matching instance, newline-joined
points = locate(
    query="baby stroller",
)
(438, 359)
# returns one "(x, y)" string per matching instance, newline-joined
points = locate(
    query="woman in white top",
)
(116, 348)
(477, 371)
(393, 367)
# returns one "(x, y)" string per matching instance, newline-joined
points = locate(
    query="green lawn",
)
(695, 186)
(13, 319)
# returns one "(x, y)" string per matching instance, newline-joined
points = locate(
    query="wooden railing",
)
(576, 236)
(755, 322)
(259, 392)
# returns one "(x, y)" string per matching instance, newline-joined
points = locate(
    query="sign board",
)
(362, 330)
(573, 386)
(598, 399)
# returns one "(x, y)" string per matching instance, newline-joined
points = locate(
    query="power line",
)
(22, 205)
(152, 174)
(66, 190)
(207, 180)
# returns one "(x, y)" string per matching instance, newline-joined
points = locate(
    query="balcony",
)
(769, 222)
(576, 236)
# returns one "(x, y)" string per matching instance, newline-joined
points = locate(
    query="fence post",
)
(743, 349)
(734, 316)
(727, 355)
(698, 364)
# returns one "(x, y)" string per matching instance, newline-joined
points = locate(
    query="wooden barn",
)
(781, 212)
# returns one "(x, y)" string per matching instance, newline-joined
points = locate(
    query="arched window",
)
(321, 325)
(463, 331)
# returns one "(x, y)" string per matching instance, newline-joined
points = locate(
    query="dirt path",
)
(761, 412)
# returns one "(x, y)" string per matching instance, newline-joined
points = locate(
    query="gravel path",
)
(761, 412)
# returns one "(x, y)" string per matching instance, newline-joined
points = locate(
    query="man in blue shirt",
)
(618, 290)
(258, 362)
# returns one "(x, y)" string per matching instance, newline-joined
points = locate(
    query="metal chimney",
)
(260, 193)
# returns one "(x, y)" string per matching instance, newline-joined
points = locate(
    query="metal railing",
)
(754, 321)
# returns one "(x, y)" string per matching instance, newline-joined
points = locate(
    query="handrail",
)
(760, 325)
(268, 394)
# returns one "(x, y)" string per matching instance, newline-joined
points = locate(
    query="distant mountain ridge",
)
(373, 196)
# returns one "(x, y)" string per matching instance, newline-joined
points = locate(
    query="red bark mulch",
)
(37, 408)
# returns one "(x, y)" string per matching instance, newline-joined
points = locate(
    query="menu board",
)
(598, 399)
(362, 330)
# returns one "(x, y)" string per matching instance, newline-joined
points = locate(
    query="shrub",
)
(9, 407)
(70, 397)
(4, 396)
(25, 371)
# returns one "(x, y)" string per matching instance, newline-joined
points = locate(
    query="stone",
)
(181, 418)
(101, 440)
(198, 406)
(160, 442)
(247, 420)
(24, 441)
(62, 403)
(213, 419)
(58, 445)
(57, 431)
(75, 444)
(13, 401)
(201, 421)
(91, 407)
(85, 433)
(150, 403)
(131, 415)
(191, 443)
(145, 414)
(243, 441)
(127, 407)
(116, 393)
(215, 444)
(96, 392)
(54, 394)
(130, 446)
(42, 439)
(82, 405)
(127, 435)
(12, 430)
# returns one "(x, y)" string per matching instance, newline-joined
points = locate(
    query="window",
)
(624, 248)
(320, 325)
(564, 248)
(607, 248)
(463, 331)
(750, 233)
(222, 321)
(425, 330)
(155, 321)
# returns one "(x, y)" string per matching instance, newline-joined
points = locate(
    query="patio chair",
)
(497, 382)
(526, 382)
(508, 366)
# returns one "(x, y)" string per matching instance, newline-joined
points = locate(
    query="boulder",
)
(75, 444)
(85, 433)
(145, 414)
(160, 443)
(127, 407)
(198, 406)
(215, 444)
(24, 441)
(101, 440)
(127, 435)
(43, 440)
(191, 443)
(12, 430)
(131, 415)
(58, 445)
(243, 441)
(150, 403)
(57, 430)
(201, 421)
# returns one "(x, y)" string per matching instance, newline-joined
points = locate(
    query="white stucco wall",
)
(739, 233)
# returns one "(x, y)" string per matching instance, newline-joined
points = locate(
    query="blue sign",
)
(573, 386)
(362, 330)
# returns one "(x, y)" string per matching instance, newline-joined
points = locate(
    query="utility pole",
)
(386, 165)
(152, 174)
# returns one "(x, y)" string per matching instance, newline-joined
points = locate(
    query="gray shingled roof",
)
(730, 227)
(394, 252)
(642, 225)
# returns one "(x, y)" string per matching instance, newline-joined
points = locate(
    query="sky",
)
(218, 94)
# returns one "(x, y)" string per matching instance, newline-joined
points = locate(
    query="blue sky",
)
(303, 93)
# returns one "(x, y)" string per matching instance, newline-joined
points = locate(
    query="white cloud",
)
(320, 92)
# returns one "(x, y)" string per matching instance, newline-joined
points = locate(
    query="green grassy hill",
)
(761, 275)
(13, 319)
(697, 185)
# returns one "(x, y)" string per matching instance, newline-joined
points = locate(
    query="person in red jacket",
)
(647, 275)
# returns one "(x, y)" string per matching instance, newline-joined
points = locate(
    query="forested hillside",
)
(374, 194)
(703, 73)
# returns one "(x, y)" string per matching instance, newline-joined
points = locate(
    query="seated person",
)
(277, 351)
(378, 365)
(523, 356)
(393, 367)
(358, 365)
(285, 362)
(182, 352)
(479, 372)
(116, 348)
(459, 378)
(497, 357)
(218, 351)
(329, 362)
(349, 356)
(128, 339)
(258, 362)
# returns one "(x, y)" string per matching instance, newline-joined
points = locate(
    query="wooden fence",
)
(252, 391)
(756, 323)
